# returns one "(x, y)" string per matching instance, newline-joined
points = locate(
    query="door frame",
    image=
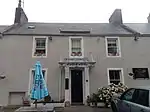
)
(83, 82)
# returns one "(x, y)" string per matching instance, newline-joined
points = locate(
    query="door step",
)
(74, 104)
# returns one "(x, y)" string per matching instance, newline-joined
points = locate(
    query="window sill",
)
(39, 56)
(142, 79)
(113, 56)
(76, 56)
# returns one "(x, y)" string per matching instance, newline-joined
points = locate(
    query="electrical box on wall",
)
(66, 83)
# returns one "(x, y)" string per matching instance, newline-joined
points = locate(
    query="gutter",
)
(64, 35)
(7, 29)
(135, 33)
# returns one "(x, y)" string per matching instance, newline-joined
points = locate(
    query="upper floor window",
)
(76, 47)
(40, 47)
(113, 47)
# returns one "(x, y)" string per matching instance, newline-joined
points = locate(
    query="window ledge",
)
(113, 56)
(76, 56)
(39, 56)
(142, 79)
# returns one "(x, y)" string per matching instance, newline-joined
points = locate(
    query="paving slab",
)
(85, 109)
(33, 109)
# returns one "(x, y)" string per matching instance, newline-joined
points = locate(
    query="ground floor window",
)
(115, 75)
(32, 74)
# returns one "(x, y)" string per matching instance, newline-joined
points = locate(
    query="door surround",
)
(77, 63)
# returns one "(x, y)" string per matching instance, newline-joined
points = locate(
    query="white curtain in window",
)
(76, 45)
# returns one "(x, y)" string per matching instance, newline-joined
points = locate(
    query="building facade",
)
(77, 58)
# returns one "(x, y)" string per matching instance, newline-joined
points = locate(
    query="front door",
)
(76, 86)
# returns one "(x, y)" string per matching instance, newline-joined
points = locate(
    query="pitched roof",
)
(2, 27)
(104, 29)
(54, 29)
(142, 28)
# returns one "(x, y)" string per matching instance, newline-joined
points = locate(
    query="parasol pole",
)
(35, 103)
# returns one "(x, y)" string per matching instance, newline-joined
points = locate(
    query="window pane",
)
(141, 97)
(76, 49)
(76, 43)
(117, 74)
(112, 50)
(113, 47)
(128, 95)
(40, 52)
(111, 76)
(40, 47)
(40, 43)
(114, 76)
(112, 40)
(115, 82)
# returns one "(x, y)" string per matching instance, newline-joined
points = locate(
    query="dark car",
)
(132, 100)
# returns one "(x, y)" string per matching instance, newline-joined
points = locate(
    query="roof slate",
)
(94, 28)
(2, 27)
(54, 28)
(143, 28)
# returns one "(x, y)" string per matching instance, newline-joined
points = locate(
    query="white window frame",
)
(119, 47)
(121, 76)
(34, 45)
(70, 47)
(30, 77)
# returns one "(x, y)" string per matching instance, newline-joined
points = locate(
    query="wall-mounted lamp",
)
(136, 38)
(130, 74)
(50, 38)
(2, 76)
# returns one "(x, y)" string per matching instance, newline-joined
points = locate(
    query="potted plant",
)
(88, 101)
(93, 100)
(101, 97)
(100, 101)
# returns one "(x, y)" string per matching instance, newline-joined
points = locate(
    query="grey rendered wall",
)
(16, 61)
(134, 54)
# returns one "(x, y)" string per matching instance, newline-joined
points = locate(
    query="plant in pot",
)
(88, 101)
(93, 100)
(101, 97)
(100, 101)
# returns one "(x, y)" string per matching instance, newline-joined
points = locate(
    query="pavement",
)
(85, 109)
(74, 109)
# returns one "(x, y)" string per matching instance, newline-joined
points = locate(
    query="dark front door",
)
(76, 86)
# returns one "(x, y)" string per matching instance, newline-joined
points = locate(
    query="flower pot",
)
(92, 104)
(100, 104)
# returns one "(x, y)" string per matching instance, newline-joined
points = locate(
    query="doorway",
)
(76, 87)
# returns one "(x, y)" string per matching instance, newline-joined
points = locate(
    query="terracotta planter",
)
(100, 104)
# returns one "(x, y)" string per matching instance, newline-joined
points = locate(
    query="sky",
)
(76, 11)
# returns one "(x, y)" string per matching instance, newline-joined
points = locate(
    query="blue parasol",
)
(39, 89)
